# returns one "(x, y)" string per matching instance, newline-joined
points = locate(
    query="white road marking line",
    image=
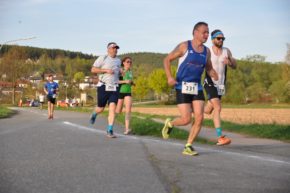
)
(180, 145)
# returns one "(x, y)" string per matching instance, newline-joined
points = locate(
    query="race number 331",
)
(190, 88)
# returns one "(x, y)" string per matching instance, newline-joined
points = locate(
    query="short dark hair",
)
(197, 25)
(215, 31)
(50, 75)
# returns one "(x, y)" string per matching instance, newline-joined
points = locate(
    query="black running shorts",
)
(188, 98)
(211, 92)
(123, 95)
(51, 99)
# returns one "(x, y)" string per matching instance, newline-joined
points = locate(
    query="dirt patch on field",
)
(261, 116)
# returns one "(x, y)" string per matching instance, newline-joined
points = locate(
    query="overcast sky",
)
(250, 26)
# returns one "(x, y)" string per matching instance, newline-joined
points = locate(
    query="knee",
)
(198, 119)
(185, 120)
(218, 109)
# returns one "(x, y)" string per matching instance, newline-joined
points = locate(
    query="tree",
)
(69, 72)
(158, 81)
(14, 67)
(78, 77)
(141, 88)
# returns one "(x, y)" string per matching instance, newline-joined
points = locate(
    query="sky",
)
(250, 26)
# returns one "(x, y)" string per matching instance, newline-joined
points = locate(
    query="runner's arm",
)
(97, 66)
(96, 70)
(45, 90)
(176, 53)
(232, 61)
(208, 67)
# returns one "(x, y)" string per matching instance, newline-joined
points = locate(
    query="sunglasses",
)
(130, 62)
(220, 38)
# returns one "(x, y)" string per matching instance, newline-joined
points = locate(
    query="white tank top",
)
(219, 66)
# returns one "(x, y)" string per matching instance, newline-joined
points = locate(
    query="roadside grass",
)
(5, 112)
(270, 131)
(143, 124)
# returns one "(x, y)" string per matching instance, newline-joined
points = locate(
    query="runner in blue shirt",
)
(194, 58)
(50, 88)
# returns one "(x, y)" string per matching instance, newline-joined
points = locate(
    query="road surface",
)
(68, 155)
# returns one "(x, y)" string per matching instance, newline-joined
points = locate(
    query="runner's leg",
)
(185, 115)
(198, 106)
(128, 106)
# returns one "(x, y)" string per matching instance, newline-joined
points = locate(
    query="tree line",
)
(254, 80)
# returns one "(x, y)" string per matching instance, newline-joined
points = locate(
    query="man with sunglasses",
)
(108, 68)
(221, 57)
(194, 58)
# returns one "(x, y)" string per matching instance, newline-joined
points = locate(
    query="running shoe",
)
(223, 140)
(93, 118)
(189, 150)
(128, 132)
(110, 134)
(166, 129)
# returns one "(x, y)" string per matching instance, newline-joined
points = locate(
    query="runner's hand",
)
(227, 61)
(171, 81)
(109, 71)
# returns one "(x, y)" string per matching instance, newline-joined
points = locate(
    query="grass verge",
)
(270, 131)
(5, 112)
(146, 126)
(143, 125)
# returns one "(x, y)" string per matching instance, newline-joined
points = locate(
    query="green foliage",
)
(157, 81)
(35, 53)
(141, 88)
(254, 80)
(79, 76)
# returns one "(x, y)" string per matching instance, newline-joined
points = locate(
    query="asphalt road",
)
(68, 155)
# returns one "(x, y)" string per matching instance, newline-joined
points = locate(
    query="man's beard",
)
(219, 45)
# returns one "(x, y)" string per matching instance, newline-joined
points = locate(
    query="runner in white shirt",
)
(108, 68)
(221, 57)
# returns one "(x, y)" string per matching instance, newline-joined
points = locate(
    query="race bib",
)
(110, 87)
(190, 88)
(221, 90)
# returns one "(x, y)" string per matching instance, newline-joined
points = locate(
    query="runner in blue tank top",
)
(194, 58)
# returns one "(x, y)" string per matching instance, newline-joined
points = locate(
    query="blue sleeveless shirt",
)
(191, 67)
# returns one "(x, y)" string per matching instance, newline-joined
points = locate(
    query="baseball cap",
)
(112, 45)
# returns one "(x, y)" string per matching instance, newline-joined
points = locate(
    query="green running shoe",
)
(189, 150)
(166, 129)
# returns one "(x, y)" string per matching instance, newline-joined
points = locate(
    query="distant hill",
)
(149, 58)
(143, 62)
(35, 52)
